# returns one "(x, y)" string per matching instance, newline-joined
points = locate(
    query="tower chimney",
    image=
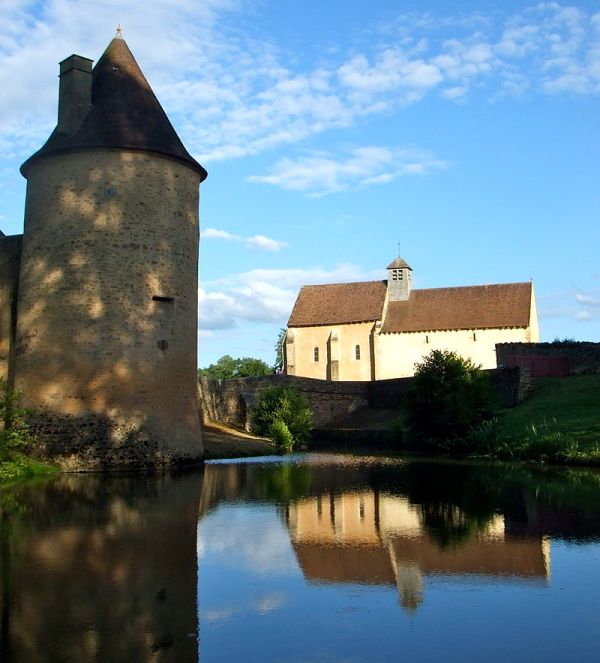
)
(74, 93)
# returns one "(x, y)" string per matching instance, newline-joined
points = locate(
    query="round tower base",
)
(96, 443)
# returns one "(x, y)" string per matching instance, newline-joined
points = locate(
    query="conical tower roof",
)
(124, 113)
(399, 263)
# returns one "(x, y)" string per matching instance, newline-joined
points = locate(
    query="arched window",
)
(357, 352)
(316, 354)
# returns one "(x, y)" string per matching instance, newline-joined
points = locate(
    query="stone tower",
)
(399, 280)
(107, 307)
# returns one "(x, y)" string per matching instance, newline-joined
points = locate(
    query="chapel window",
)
(316, 354)
(357, 352)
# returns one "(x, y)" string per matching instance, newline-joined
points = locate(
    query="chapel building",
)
(376, 330)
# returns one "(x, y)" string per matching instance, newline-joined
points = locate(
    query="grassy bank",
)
(568, 405)
(19, 467)
(559, 422)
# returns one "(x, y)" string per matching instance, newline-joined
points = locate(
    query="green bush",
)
(449, 397)
(286, 405)
(280, 434)
(486, 438)
(16, 435)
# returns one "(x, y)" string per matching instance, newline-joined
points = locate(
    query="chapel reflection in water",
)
(374, 538)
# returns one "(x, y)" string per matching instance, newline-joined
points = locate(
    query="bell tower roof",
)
(399, 263)
(123, 113)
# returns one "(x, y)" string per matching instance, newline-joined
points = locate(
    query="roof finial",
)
(119, 34)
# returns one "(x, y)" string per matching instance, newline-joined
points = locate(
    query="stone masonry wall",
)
(10, 260)
(231, 401)
(107, 309)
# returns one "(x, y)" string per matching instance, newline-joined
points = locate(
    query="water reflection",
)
(100, 569)
(300, 558)
(313, 558)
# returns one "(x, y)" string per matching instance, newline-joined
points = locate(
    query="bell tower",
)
(399, 280)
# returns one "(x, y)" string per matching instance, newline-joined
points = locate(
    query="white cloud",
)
(265, 295)
(589, 306)
(213, 233)
(254, 242)
(574, 304)
(231, 93)
(266, 243)
(320, 173)
(588, 300)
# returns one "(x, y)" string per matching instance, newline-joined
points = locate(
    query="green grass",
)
(18, 467)
(569, 406)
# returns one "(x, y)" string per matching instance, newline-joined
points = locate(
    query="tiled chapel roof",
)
(470, 307)
(124, 113)
(338, 303)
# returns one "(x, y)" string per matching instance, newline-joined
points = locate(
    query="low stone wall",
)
(510, 386)
(388, 393)
(547, 359)
(232, 401)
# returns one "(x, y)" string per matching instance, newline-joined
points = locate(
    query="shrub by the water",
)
(15, 439)
(286, 405)
(280, 434)
(16, 435)
(449, 398)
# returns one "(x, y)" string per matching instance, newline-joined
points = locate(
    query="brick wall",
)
(551, 359)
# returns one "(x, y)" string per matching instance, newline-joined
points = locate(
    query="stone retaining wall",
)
(232, 401)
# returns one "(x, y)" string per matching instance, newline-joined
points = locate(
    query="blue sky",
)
(467, 133)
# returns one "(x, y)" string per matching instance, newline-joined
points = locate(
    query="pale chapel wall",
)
(534, 327)
(397, 354)
(348, 337)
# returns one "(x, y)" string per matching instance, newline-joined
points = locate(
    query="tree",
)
(449, 397)
(282, 405)
(278, 365)
(16, 435)
(227, 367)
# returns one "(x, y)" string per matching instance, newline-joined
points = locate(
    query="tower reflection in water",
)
(380, 539)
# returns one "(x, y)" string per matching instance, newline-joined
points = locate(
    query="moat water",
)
(306, 558)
